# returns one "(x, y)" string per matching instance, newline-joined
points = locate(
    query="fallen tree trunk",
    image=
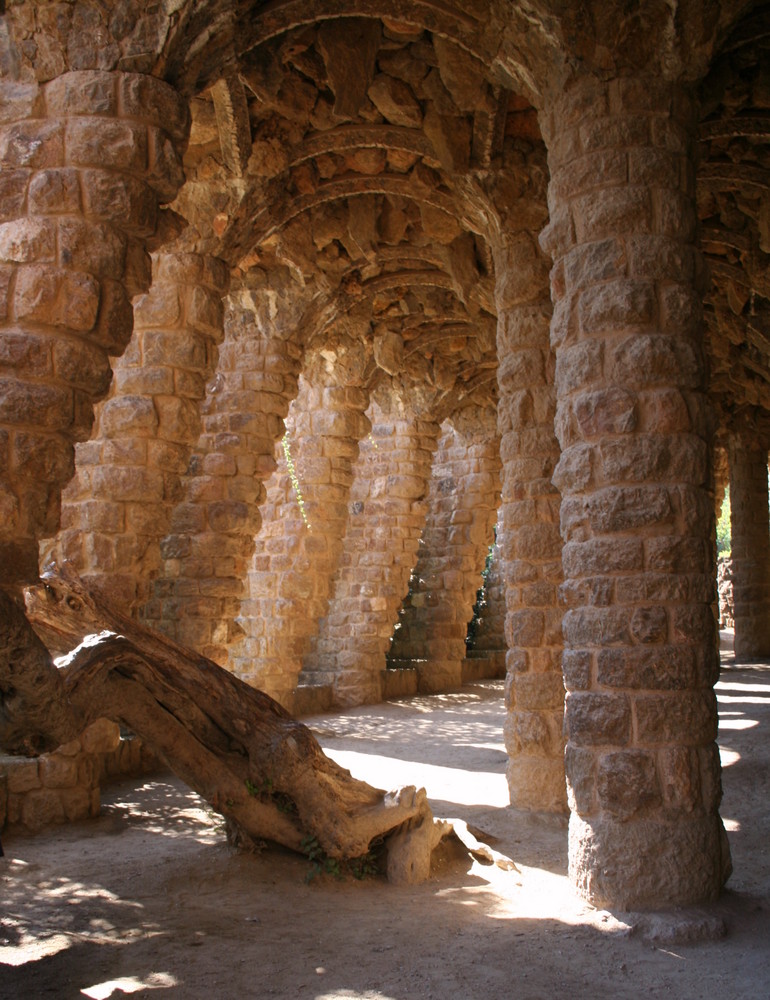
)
(240, 750)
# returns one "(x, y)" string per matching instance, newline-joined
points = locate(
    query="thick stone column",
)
(750, 533)
(637, 512)
(84, 162)
(387, 515)
(117, 508)
(295, 559)
(197, 598)
(528, 529)
(462, 510)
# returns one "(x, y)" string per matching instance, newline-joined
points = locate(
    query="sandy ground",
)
(150, 897)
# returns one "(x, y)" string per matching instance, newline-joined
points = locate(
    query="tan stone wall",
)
(64, 786)
(295, 559)
(206, 553)
(485, 654)
(117, 508)
(85, 160)
(462, 509)
(750, 532)
(637, 509)
(387, 514)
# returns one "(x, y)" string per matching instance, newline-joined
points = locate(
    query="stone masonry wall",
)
(295, 559)
(637, 509)
(197, 597)
(462, 509)
(117, 508)
(750, 534)
(387, 515)
(85, 160)
(485, 654)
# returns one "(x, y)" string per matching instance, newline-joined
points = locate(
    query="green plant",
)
(265, 791)
(320, 862)
(294, 479)
(724, 538)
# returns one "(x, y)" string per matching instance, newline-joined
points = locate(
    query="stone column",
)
(633, 422)
(197, 598)
(750, 534)
(462, 510)
(84, 162)
(485, 655)
(296, 558)
(117, 508)
(528, 530)
(387, 515)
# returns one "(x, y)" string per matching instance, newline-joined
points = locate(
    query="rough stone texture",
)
(635, 503)
(462, 510)
(375, 187)
(486, 646)
(117, 508)
(89, 157)
(750, 531)
(387, 512)
(296, 556)
(528, 532)
(197, 597)
(64, 786)
(725, 590)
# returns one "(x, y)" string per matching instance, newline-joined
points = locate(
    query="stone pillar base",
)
(631, 866)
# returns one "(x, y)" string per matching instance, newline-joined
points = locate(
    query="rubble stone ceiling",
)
(734, 208)
(326, 170)
(338, 162)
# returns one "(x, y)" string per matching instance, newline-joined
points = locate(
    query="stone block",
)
(102, 736)
(57, 771)
(48, 406)
(96, 248)
(13, 188)
(28, 240)
(680, 777)
(26, 353)
(129, 416)
(55, 297)
(112, 144)
(35, 144)
(600, 555)
(597, 719)
(612, 212)
(42, 808)
(649, 359)
(21, 775)
(81, 93)
(54, 191)
(149, 99)
(121, 199)
(83, 365)
(580, 765)
(684, 717)
(627, 783)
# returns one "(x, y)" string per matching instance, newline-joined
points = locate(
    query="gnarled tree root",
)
(237, 748)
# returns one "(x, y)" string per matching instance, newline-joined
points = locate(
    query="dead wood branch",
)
(234, 745)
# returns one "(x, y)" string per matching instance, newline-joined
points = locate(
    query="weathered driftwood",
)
(234, 745)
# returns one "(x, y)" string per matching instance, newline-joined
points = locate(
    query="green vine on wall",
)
(294, 479)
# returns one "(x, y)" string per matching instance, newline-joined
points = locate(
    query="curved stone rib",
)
(281, 16)
(251, 225)
(347, 137)
(731, 128)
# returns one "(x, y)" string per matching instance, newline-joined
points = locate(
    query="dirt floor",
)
(150, 897)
